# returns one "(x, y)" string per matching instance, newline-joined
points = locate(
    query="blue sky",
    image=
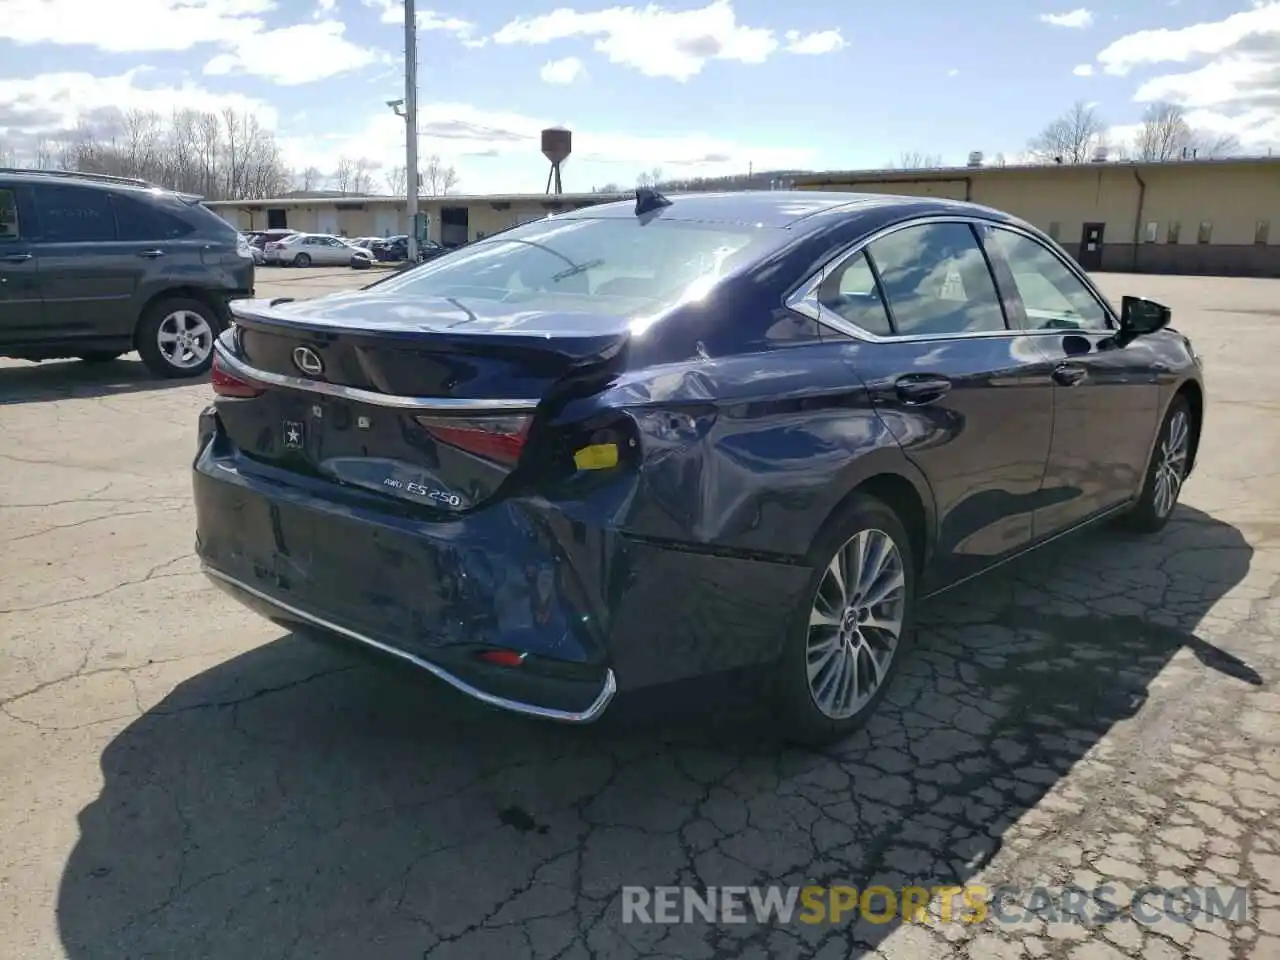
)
(691, 86)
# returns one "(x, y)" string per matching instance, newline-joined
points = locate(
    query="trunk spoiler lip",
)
(454, 405)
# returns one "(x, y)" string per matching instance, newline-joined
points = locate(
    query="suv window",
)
(138, 220)
(1053, 296)
(936, 280)
(850, 292)
(74, 214)
(9, 227)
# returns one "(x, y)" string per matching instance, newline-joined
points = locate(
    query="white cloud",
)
(1235, 89)
(563, 71)
(54, 105)
(953, 72)
(818, 42)
(654, 40)
(1076, 19)
(392, 11)
(316, 51)
(1083, 70)
(146, 25)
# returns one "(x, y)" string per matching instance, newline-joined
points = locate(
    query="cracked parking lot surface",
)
(179, 779)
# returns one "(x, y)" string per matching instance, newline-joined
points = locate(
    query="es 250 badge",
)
(443, 497)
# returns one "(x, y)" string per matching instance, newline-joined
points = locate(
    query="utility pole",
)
(411, 123)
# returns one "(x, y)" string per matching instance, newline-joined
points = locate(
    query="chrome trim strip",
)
(803, 299)
(438, 404)
(589, 715)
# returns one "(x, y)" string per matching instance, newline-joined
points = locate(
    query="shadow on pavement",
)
(64, 379)
(296, 801)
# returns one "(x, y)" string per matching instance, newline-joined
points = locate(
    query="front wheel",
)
(175, 337)
(1166, 471)
(850, 631)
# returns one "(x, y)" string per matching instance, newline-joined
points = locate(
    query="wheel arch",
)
(900, 485)
(1194, 395)
(180, 293)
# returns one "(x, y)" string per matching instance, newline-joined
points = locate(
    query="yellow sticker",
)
(598, 456)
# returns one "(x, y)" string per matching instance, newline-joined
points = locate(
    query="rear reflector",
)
(226, 385)
(503, 658)
(499, 438)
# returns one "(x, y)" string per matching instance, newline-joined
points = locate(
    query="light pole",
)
(410, 114)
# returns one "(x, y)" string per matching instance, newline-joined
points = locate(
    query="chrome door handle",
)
(16, 257)
(1068, 374)
(151, 254)
(924, 389)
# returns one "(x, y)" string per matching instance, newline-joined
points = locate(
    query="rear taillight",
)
(500, 439)
(227, 385)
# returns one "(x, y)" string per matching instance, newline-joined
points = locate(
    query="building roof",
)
(1013, 169)
(459, 199)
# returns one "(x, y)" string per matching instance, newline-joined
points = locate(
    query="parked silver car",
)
(319, 249)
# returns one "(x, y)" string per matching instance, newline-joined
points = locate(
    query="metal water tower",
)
(557, 144)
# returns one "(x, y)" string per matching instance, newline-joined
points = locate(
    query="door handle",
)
(16, 257)
(924, 389)
(1068, 374)
(151, 254)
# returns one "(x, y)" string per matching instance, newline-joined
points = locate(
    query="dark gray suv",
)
(94, 266)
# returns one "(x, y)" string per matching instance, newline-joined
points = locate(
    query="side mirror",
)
(1140, 316)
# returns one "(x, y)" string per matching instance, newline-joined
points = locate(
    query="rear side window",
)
(936, 280)
(851, 293)
(600, 266)
(9, 227)
(138, 220)
(74, 214)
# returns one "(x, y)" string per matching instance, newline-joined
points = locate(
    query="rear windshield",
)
(607, 265)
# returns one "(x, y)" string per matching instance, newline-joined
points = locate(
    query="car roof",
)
(785, 209)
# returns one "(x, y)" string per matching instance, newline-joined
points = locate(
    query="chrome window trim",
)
(589, 715)
(266, 378)
(803, 298)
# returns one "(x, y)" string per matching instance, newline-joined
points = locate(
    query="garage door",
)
(327, 221)
(386, 223)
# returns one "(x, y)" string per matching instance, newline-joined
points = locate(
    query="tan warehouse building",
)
(450, 220)
(1195, 217)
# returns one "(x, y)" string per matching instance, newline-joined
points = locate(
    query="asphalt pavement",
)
(179, 778)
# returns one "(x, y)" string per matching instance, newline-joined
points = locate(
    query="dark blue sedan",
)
(656, 440)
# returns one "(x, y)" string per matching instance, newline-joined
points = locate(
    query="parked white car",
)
(318, 249)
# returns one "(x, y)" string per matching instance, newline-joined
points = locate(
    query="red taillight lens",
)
(226, 385)
(500, 439)
(503, 658)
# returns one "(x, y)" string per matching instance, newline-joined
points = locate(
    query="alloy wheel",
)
(855, 624)
(1171, 463)
(185, 339)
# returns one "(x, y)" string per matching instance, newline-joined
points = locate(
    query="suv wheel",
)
(851, 629)
(302, 260)
(175, 337)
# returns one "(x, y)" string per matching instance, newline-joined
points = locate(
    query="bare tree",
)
(362, 176)
(343, 175)
(915, 160)
(650, 178)
(8, 156)
(1166, 135)
(999, 160)
(396, 181)
(308, 179)
(438, 178)
(1072, 137)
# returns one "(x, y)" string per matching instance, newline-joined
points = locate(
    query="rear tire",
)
(175, 337)
(861, 590)
(302, 260)
(1166, 471)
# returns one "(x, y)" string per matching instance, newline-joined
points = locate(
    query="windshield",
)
(607, 265)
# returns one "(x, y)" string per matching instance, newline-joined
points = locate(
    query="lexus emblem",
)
(308, 361)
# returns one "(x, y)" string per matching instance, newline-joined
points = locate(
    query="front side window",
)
(936, 281)
(9, 227)
(602, 266)
(1053, 296)
(851, 293)
(74, 214)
